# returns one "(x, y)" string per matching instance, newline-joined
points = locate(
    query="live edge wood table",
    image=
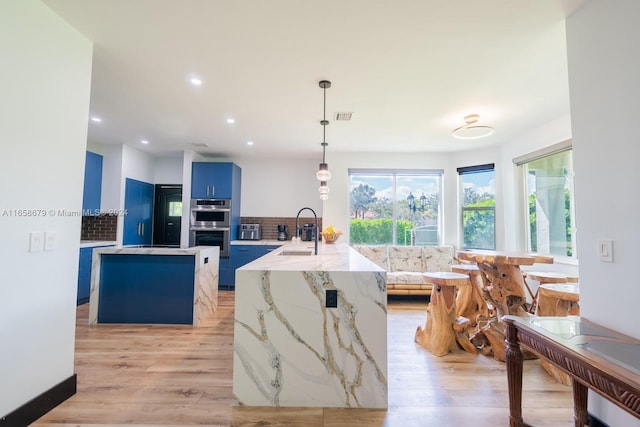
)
(503, 289)
(595, 357)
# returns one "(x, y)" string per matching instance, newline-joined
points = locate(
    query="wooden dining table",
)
(503, 289)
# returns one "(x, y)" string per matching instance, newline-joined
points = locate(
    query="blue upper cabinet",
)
(138, 203)
(215, 181)
(92, 184)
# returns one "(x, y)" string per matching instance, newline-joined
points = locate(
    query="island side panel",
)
(290, 350)
(205, 298)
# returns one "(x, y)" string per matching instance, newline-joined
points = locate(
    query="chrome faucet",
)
(299, 230)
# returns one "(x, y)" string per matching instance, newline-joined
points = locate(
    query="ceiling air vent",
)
(199, 144)
(343, 116)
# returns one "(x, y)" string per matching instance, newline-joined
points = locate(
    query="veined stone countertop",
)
(260, 242)
(331, 257)
(150, 250)
(294, 347)
(95, 243)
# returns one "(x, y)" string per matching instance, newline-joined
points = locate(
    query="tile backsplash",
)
(101, 227)
(269, 225)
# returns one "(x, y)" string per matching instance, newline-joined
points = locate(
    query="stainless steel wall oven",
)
(210, 221)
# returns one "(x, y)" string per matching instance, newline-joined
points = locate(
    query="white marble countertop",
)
(146, 250)
(94, 243)
(331, 257)
(260, 242)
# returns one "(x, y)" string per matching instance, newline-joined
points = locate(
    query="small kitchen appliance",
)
(283, 233)
(308, 232)
(249, 232)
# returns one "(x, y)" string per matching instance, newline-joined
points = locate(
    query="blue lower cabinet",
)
(240, 255)
(146, 289)
(225, 281)
(84, 273)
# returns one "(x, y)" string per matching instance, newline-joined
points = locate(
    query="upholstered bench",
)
(405, 265)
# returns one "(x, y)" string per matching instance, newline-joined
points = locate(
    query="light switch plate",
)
(49, 240)
(605, 248)
(36, 241)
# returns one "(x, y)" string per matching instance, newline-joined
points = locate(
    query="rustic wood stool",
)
(469, 301)
(558, 299)
(543, 278)
(438, 335)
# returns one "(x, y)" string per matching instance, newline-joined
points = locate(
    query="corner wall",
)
(603, 80)
(44, 81)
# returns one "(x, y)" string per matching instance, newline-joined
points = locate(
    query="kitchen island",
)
(154, 285)
(311, 330)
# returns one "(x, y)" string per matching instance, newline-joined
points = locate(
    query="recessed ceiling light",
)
(96, 119)
(144, 141)
(196, 81)
(249, 142)
(231, 121)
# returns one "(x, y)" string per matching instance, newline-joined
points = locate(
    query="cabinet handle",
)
(207, 191)
(142, 228)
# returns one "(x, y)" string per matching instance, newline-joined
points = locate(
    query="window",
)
(400, 207)
(550, 216)
(175, 209)
(478, 196)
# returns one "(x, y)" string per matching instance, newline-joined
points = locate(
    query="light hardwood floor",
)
(142, 375)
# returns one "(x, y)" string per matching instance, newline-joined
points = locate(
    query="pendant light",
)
(323, 173)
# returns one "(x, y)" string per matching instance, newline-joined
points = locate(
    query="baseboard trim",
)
(596, 422)
(40, 405)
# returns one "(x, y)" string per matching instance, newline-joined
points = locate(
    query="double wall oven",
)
(210, 224)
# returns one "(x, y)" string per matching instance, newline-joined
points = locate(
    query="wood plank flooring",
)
(177, 376)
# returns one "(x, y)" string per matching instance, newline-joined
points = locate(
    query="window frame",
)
(521, 162)
(467, 170)
(394, 174)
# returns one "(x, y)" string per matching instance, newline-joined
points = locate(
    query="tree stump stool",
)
(469, 301)
(558, 299)
(543, 279)
(438, 335)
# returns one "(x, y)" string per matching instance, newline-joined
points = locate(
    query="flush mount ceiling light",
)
(323, 173)
(470, 130)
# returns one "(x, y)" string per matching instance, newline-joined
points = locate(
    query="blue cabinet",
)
(215, 180)
(138, 203)
(225, 281)
(137, 288)
(240, 255)
(84, 274)
(92, 184)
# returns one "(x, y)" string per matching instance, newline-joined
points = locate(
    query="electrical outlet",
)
(36, 241)
(331, 300)
(49, 240)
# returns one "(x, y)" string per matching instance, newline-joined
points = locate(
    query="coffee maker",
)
(283, 234)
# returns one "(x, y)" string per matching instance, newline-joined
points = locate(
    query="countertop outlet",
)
(331, 300)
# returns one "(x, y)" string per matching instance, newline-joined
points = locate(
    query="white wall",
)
(279, 187)
(603, 78)
(44, 80)
(168, 170)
